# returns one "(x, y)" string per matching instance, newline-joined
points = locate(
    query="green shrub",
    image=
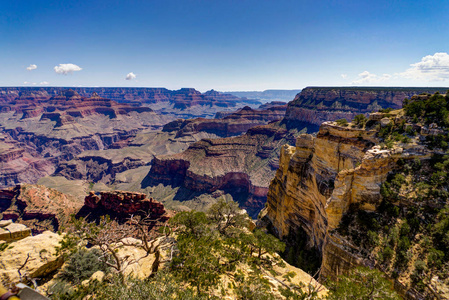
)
(386, 110)
(81, 265)
(342, 122)
(360, 120)
(387, 254)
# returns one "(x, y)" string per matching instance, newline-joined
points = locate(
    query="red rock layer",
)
(231, 125)
(38, 207)
(125, 203)
(315, 105)
(67, 103)
(180, 99)
(242, 165)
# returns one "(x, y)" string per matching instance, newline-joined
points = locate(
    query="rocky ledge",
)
(38, 207)
(124, 203)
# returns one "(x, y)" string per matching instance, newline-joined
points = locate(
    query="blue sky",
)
(224, 45)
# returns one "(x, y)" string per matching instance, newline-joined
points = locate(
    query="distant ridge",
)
(268, 95)
(380, 88)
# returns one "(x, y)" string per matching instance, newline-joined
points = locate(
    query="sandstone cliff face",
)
(315, 105)
(321, 177)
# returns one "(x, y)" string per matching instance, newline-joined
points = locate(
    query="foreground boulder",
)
(10, 231)
(35, 256)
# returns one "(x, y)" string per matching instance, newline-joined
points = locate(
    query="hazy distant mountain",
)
(268, 95)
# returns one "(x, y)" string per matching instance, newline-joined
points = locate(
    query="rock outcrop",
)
(231, 124)
(35, 255)
(10, 231)
(38, 207)
(322, 176)
(124, 203)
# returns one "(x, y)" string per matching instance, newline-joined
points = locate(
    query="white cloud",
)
(65, 69)
(25, 82)
(430, 68)
(44, 83)
(344, 76)
(32, 67)
(28, 83)
(130, 76)
(367, 77)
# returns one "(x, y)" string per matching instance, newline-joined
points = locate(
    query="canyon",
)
(302, 183)
(240, 166)
(42, 129)
(204, 169)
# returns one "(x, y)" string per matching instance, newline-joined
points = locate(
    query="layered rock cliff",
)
(315, 105)
(37, 134)
(124, 204)
(241, 166)
(230, 124)
(184, 103)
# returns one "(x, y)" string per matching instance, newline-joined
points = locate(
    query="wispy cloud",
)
(65, 69)
(32, 67)
(344, 76)
(130, 76)
(430, 68)
(367, 77)
(44, 83)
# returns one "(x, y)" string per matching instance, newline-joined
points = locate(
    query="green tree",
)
(225, 214)
(342, 122)
(190, 223)
(265, 243)
(360, 120)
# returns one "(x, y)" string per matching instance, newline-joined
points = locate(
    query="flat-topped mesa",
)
(67, 102)
(232, 124)
(124, 203)
(315, 105)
